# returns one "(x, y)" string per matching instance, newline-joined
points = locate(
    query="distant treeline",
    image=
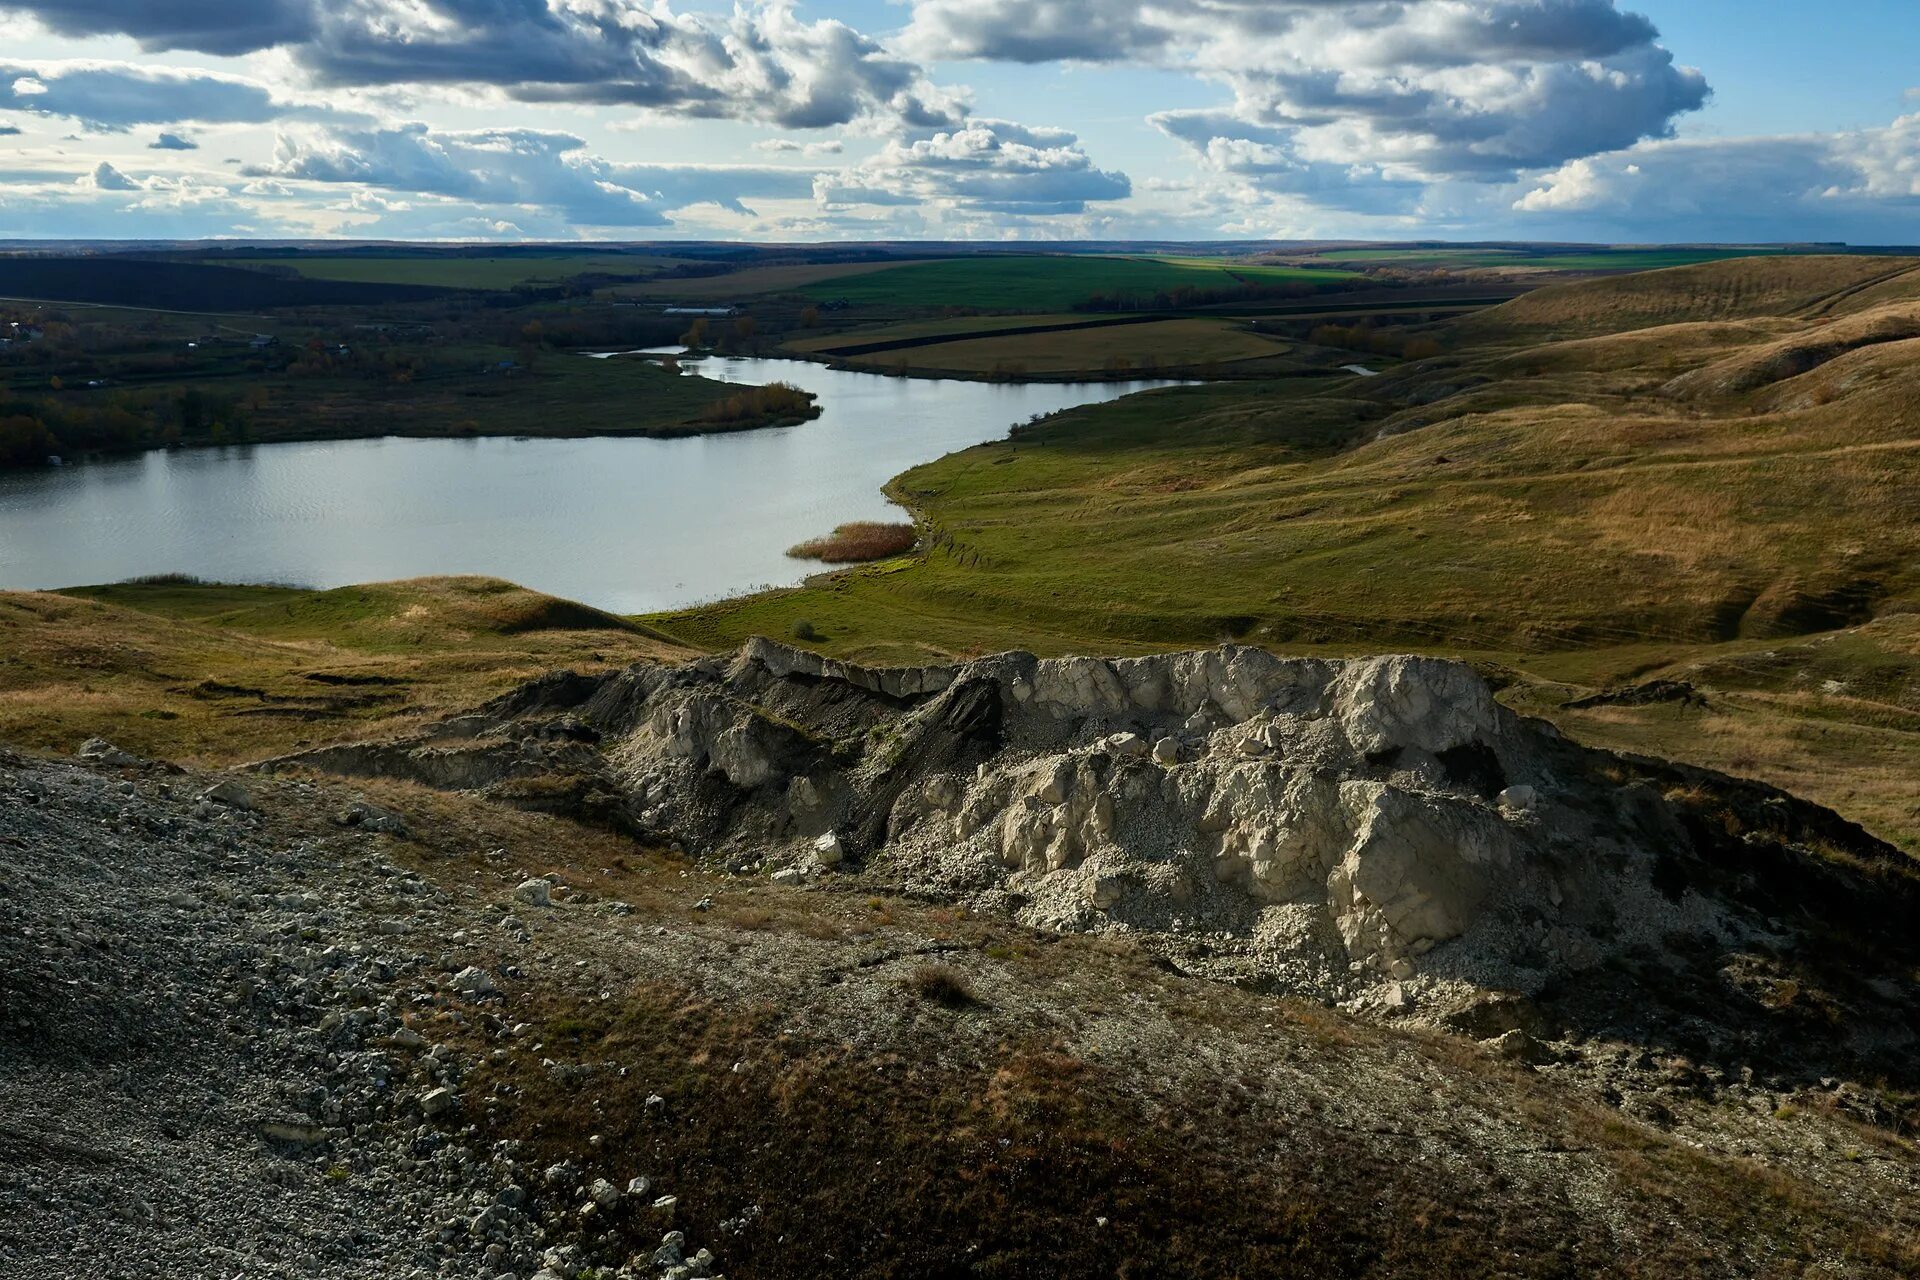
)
(33, 430)
(188, 286)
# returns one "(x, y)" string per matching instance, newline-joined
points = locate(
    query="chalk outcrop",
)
(1314, 825)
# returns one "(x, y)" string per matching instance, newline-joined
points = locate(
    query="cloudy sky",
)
(961, 119)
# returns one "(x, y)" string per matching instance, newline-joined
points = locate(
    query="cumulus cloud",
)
(1862, 185)
(107, 178)
(9, 130)
(990, 166)
(209, 26)
(763, 63)
(1392, 91)
(173, 142)
(119, 95)
(534, 169)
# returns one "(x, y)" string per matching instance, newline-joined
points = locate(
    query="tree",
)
(810, 317)
(24, 440)
(696, 334)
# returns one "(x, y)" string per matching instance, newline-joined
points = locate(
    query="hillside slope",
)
(1741, 289)
(1575, 511)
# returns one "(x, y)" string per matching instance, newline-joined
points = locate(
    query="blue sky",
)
(1662, 120)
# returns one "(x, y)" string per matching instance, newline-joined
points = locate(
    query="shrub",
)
(862, 540)
(943, 986)
(803, 630)
(776, 400)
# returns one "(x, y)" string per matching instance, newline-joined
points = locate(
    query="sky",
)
(1025, 120)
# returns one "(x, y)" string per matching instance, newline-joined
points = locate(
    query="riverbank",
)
(556, 396)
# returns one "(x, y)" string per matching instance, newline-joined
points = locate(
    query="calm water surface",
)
(629, 525)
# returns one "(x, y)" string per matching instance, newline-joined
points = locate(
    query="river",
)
(631, 525)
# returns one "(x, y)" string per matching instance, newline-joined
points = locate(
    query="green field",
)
(450, 272)
(1160, 344)
(1036, 282)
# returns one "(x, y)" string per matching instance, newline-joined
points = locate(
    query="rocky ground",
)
(284, 1024)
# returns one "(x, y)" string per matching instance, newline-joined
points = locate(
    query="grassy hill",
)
(1742, 289)
(1579, 513)
(212, 672)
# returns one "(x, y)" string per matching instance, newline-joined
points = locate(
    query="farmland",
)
(758, 281)
(1158, 344)
(1044, 283)
(458, 271)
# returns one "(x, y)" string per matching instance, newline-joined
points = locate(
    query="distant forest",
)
(188, 286)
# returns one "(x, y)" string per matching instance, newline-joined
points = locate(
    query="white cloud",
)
(529, 169)
(1390, 91)
(1862, 185)
(119, 95)
(763, 63)
(990, 166)
(787, 146)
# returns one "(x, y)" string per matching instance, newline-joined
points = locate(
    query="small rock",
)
(1128, 746)
(535, 892)
(473, 981)
(829, 851)
(1105, 891)
(789, 876)
(604, 1193)
(231, 794)
(1167, 751)
(369, 817)
(668, 1254)
(436, 1102)
(296, 1129)
(640, 1186)
(1516, 1046)
(1519, 798)
(100, 751)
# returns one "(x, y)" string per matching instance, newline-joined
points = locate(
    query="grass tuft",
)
(943, 985)
(858, 542)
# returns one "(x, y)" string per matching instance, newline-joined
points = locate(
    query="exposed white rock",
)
(473, 981)
(1329, 825)
(535, 892)
(1520, 798)
(100, 751)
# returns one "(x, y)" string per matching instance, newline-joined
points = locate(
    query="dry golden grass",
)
(269, 670)
(858, 542)
(1733, 290)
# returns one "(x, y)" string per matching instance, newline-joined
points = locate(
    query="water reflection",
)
(629, 525)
